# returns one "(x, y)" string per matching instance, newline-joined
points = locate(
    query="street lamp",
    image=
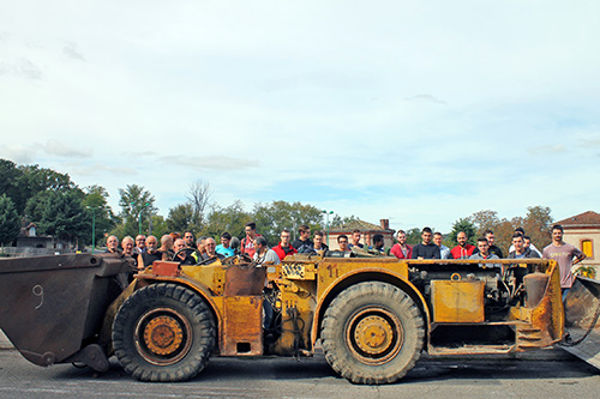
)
(327, 213)
(93, 209)
(140, 215)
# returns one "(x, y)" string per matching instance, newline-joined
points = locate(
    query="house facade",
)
(583, 232)
(368, 230)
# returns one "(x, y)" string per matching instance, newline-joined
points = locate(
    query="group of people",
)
(173, 247)
(188, 251)
(431, 247)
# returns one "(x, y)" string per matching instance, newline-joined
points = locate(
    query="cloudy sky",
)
(421, 112)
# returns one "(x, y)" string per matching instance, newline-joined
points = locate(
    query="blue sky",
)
(420, 112)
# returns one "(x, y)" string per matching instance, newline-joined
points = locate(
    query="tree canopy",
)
(10, 223)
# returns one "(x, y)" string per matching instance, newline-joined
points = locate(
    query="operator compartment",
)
(490, 306)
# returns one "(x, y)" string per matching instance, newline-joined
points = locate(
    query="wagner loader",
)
(372, 317)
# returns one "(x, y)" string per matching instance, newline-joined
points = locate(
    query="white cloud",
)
(419, 111)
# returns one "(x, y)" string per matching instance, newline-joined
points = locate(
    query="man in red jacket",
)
(284, 248)
(462, 250)
(247, 244)
(401, 250)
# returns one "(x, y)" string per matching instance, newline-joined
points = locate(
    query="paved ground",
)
(541, 375)
(4, 342)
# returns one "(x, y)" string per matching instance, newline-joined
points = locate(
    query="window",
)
(587, 248)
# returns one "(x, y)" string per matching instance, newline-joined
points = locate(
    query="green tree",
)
(413, 236)
(338, 221)
(537, 224)
(35, 180)
(36, 205)
(466, 225)
(159, 226)
(135, 202)
(63, 216)
(272, 218)
(181, 218)
(22, 183)
(96, 206)
(10, 223)
(10, 176)
(485, 220)
(231, 219)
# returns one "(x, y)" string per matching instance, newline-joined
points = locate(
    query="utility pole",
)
(327, 213)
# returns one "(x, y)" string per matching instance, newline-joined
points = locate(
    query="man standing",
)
(355, 239)
(166, 247)
(483, 252)
(527, 244)
(303, 243)
(127, 245)
(520, 230)
(284, 248)
(263, 254)
(318, 245)
(211, 249)
(401, 250)
(379, 245)
(140, 244)
(426, 249)
(188, 237)
(150, 254)
(463, 250)
(247, 244)
(112, 245)
(444, 250)
(489, 236)
(520, 252)
(342, 241)
(223, 248)
(566, 255)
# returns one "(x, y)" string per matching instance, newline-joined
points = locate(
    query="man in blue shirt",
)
(223, 248)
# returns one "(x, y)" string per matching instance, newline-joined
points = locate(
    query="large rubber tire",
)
(372, 333)
(163, 332)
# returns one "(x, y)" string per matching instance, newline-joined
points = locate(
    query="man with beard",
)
(426, 249)
(463, 250)
(150, 254)
(401, 250)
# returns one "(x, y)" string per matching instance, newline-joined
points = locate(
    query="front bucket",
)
(582, 311)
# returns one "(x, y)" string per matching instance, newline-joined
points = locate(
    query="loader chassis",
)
(372, 317)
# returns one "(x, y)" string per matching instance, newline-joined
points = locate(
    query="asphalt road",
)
(553, 374)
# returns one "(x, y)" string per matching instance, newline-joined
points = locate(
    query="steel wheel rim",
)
(374, 335)
(163, 336)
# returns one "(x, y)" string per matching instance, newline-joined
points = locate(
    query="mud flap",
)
(582, 311)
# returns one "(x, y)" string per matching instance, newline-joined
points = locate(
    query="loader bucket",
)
(582, 311)
(53, 306)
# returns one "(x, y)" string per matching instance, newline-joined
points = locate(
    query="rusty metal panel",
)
(457, 301)
(164, 268)
(244, 280)
(51, 304)
(241, 334)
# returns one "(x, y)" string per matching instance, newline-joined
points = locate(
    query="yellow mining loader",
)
(371, 316)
